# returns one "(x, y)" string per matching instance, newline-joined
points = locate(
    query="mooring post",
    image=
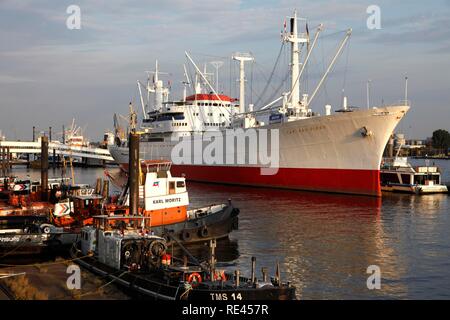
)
(2, 154)
(98, 186)
(133, 172)
(278, 273)
(105, 191)
(44, 168)
(253, 269)
(237, 275)
(9, 159)
(54, 151)
(264, 274)
(212, 262)
(3, 170)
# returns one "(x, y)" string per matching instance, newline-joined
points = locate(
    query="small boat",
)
(397, 175)
(137, 260)
(32, 223)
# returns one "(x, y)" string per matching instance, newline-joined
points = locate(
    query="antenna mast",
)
(217, 65)
(161, 93)
(406, 91)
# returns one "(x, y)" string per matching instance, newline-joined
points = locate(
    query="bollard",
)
(253, 278)
(264, 274)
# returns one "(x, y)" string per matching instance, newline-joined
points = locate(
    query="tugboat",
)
(164, 201)
(139, 261)
(397, 175)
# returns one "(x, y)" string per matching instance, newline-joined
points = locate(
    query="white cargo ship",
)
(334, 152)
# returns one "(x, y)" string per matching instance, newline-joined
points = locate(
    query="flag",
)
(284, 26)
(156, 183)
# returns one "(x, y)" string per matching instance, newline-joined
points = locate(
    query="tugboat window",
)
(180, 184)
(171, 187)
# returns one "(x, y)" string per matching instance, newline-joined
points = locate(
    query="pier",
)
(89, 155)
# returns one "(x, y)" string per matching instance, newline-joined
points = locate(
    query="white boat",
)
(397, 175)
(334, 152)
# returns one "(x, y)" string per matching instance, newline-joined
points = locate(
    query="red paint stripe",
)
(203, 96)
(364, 182)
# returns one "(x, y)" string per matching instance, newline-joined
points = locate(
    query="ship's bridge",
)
(199, 112)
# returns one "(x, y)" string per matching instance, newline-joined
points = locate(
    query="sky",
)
(50, 74)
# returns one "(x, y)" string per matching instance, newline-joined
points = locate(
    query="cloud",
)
(95, 68)
(8, 79)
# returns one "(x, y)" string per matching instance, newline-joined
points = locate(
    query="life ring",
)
(185, 235)
(203, 232)
(193, 276)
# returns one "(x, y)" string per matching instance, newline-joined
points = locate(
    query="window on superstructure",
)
(180, 184)
(215, 104)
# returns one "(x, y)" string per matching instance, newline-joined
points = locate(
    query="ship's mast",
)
(186, 82)
(242, 58)
(161, 94)
(294, 39)
(295, 86)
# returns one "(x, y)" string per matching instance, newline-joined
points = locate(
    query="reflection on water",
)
(325, 242)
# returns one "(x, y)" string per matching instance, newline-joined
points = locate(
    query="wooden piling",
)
(2, 154)
(98, 186)
(44, 168)
(133, 172)
(8, 160)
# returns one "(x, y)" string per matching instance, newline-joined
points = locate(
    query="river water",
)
(324, 243)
